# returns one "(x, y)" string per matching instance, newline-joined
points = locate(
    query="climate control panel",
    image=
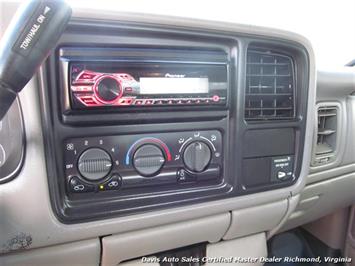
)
(116, 163)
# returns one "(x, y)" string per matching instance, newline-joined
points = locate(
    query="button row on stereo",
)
(91, 99)
(82, 88)
(214, 99)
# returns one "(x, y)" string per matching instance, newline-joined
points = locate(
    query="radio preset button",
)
(139, 102)
(149, 102)
(81, 88)
(197, 156)
(128, 89)
(94, 164)
(148, 160)
(87, 76)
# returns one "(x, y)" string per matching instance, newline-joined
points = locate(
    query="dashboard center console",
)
(138, 119)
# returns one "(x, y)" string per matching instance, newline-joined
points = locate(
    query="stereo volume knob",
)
(94, 164)
(197, 156)
(108, 89)
(148, 160)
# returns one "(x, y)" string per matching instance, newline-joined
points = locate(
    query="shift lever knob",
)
(32, 33)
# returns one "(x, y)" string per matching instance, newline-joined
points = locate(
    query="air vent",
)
(326, 135)
(270, 86)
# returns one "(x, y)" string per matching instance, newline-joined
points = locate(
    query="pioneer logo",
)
(168, 75)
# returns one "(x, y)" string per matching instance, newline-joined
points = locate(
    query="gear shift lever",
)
(32, 33)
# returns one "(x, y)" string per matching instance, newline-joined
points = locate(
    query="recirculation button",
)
(78, 186)
(114, 183)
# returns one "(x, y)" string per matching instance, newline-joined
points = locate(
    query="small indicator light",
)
(101, 187)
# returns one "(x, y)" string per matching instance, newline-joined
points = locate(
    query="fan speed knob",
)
(94, 164)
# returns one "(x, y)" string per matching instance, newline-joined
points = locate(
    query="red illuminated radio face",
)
(152, 85)
(101, 89)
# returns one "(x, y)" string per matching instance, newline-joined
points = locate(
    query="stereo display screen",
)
(173, 85)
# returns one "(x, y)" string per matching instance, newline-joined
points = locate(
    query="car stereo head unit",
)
(125, 81)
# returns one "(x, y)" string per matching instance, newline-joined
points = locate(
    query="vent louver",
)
(326, 135)
(270, 88)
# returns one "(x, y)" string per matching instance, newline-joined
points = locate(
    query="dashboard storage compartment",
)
(245, 251)
(118, 248)
(256, 219)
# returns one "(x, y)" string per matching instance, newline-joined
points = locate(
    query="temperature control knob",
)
(197, 156)
(94, 164)
(148, 160)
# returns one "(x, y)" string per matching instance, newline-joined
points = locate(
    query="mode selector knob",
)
(197, 156)
(94, 164)
(148, 160)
